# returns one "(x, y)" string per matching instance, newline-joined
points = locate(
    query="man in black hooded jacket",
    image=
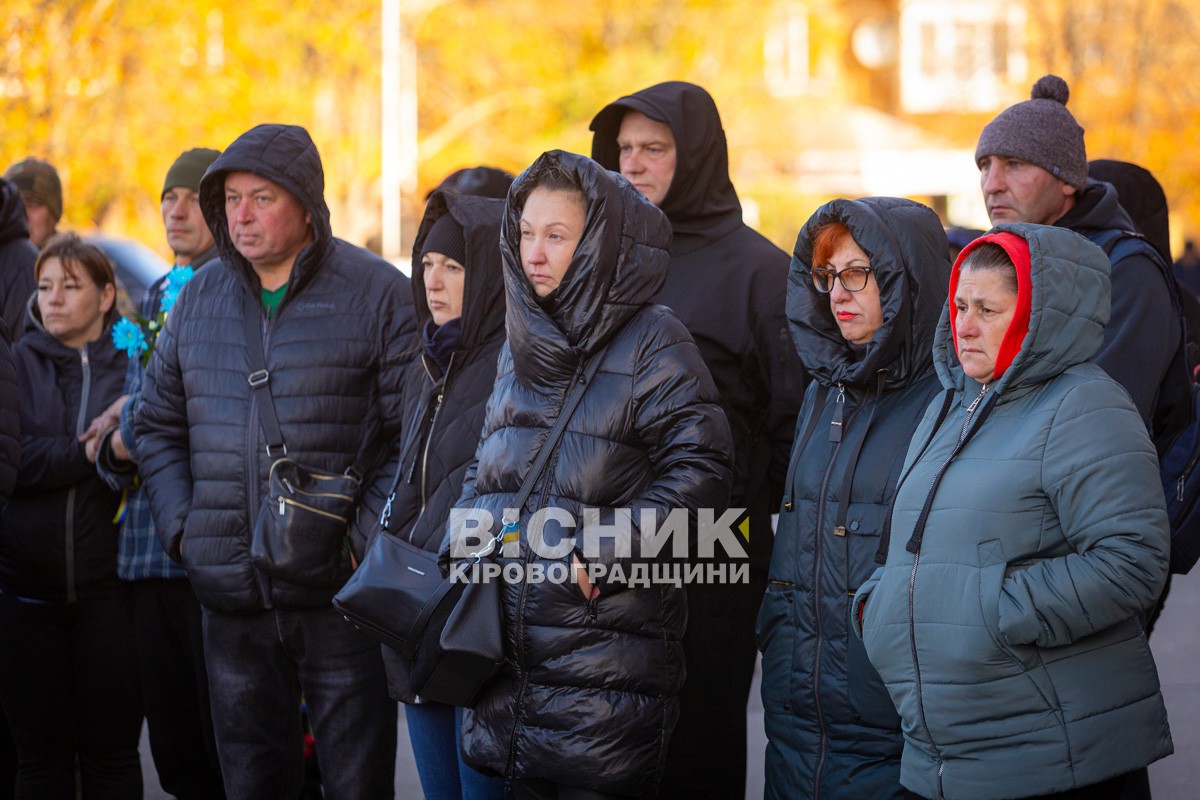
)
(17, 256)
(728, 285)
(336, 324)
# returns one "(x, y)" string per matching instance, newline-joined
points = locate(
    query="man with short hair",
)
(336, 326)
(1033, 168)
(168, 638)
(42, 192)
(728, 285)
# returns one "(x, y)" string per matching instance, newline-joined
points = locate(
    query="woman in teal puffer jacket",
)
(1027, 534)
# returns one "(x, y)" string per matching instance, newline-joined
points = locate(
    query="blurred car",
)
(137, 268)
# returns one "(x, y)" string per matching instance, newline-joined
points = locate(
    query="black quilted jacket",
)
(336, 350)
(587, 694)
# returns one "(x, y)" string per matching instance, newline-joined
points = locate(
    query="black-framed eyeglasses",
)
(854, 279)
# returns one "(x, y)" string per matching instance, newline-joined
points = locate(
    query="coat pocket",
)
(775, 633)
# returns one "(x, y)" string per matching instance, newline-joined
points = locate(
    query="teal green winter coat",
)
(1006, 627)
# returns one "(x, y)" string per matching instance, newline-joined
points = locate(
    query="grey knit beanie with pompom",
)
(1041, 131)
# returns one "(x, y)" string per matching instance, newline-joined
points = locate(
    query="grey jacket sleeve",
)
(1106, 493)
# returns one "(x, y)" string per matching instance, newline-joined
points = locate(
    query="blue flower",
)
(176, 278)
(128, 336)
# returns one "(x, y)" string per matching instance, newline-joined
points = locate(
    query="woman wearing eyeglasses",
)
(868, 280)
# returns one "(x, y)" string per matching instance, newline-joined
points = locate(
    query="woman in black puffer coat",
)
(458, 289)
(68, 676)
(586, 700)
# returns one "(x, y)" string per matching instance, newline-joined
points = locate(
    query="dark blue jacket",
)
(832, 730)
(336, 350)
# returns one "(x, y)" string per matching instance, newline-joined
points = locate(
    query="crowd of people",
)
(960, 435)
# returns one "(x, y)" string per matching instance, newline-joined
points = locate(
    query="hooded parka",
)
(1003, 614)
(17, 259)
(336, 349)
(586, 696)
(58, 541)
(831, 728)
(443, 411)
(727, 284)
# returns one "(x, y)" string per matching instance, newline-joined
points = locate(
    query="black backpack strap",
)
(1173, 409)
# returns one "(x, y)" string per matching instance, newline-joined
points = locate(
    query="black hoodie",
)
(1143, 332)
(336, 349)
(17, 257)
(443, 413)
(727, 284)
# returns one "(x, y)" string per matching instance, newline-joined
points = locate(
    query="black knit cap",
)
(189, 168)
(1041, 131)
(446, 237)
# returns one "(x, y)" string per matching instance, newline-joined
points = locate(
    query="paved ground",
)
(1176, 645)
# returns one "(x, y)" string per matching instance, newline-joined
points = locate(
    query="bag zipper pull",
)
(281, 510)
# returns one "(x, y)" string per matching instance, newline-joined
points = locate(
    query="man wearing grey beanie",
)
(1033, 168)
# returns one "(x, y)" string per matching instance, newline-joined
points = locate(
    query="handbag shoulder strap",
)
(574, 395)
(260, 379)
(260, 385)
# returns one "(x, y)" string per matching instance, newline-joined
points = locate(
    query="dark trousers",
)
(170, 656)
(544, 790)
(8, 759)
(706, 757)
(68, 682)
(258, 667)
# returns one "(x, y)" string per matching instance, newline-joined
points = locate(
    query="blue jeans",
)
(258, 666)
(434, 729)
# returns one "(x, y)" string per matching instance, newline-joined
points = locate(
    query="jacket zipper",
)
(912, 589)
(254, 500)
(837, 428)
(522, 681)
(437, 408)
(69, 523)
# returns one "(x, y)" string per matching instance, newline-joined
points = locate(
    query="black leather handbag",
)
(451, 630)
(302, 528)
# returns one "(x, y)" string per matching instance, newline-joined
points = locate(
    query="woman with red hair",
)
(1027, 535)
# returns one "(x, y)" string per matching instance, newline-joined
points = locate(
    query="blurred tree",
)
(112, 91)
(1127, 63)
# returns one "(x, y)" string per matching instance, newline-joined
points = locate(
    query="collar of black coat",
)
(701, 202)
(619, 265)
(483, 280)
